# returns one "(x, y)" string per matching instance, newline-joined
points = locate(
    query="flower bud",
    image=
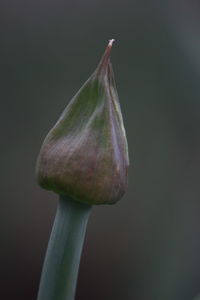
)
(85, 155)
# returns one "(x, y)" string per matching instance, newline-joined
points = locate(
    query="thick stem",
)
(60, 270)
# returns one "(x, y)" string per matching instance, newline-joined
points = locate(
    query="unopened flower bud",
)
(85, 155)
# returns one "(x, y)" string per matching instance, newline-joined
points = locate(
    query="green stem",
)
(60, 270)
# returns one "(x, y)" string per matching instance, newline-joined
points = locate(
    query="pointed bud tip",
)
(102, 67)
(111, 43)
(109, 47)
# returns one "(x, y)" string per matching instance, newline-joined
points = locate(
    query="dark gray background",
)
(146, 247)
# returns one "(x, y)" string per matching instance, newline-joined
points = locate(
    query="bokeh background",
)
(146, 247)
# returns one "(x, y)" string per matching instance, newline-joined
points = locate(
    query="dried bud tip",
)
(111, 42)
(102, 67)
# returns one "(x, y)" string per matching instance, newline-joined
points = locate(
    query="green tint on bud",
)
(85, 155)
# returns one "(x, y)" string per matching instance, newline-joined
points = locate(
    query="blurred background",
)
(146, 247)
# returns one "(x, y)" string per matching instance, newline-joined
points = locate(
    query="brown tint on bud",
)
(85, 155)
